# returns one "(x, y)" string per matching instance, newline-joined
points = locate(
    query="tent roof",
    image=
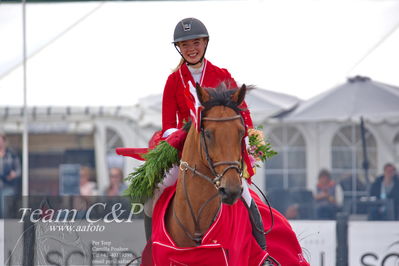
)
(38, 113)
(262, 104)
(358, 97)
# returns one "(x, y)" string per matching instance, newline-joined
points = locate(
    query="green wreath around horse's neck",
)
(145, 179)
(158, 161)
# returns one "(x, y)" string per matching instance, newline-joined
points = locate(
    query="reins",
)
(197, 238)
(184, 167)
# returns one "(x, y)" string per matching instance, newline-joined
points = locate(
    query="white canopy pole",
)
(25, 148)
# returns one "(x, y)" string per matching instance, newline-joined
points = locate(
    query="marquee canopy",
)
(359, 97)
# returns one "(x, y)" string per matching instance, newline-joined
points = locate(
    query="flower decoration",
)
(258, 148)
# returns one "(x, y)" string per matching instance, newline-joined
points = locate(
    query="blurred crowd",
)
(11, 180)
(88, 187)
(378, 201)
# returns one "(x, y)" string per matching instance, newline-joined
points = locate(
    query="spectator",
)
(116, 186)
(385, 187)
(10, 172)
(326, 205)
(292, 212)
(87, 187)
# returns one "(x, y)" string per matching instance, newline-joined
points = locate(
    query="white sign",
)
(373, 243)
(318, 241)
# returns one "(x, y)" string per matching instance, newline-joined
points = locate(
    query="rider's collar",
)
(196, 70)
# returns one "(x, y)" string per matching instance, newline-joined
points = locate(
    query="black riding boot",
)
(257, 225)
(147, 227)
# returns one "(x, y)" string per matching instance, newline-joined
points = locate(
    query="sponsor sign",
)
(373, 243)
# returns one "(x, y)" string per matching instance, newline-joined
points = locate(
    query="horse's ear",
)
(203, 95)
(239, 95)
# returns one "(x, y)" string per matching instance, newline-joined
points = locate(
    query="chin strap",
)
(188, 63)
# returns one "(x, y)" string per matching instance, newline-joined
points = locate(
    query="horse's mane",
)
(221, 96)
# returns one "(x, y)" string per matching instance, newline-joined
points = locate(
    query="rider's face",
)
(193, 50)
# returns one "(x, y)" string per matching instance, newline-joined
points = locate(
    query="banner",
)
(373, 243)
(72, 230)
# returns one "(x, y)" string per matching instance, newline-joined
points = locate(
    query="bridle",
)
(184, 167)
(211, 165)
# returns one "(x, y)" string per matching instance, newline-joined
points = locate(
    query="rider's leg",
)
(255, 217)
(147, 227)
(148, 218)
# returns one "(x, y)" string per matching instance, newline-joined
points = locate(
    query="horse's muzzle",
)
(229, 196)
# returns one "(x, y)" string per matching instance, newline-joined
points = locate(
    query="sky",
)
(114, 53)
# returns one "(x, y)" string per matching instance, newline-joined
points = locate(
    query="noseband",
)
(184, 167)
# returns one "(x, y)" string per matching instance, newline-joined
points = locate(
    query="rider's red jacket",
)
(174, 106)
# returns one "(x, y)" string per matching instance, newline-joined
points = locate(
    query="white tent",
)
(321, 119)
(262, 104)
(359, 97)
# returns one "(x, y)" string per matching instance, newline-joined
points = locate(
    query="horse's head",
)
(222, 131)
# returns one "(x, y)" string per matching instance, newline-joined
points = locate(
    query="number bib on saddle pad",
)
(228, 241)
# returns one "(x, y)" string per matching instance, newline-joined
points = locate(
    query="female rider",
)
(191, 40)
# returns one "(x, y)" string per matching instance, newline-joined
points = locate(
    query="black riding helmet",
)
(189, 29)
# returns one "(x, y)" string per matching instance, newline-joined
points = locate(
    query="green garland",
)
(145, 179)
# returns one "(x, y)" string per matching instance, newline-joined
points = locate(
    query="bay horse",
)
(210, 171)
(206, 195)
